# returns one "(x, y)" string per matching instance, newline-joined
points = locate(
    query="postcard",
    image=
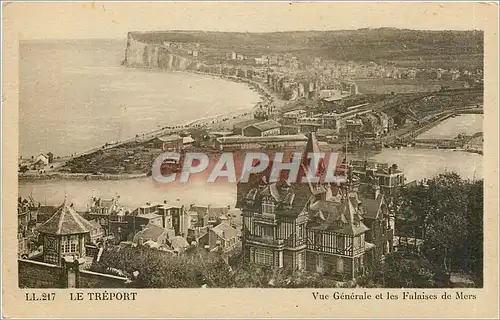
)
(250, 159)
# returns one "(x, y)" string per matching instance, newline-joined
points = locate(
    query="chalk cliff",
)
(153, 55)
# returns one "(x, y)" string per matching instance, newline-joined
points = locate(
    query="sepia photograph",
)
(273, 145)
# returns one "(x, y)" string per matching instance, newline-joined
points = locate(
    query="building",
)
(267, 142)
(332, 120)
(27, 215)
(327, 135)
(261, 61)
(262, 129)
(313, 226)
(293, 117)
(96, 232)
(207, 215)
(223, 235)
(174, 217)
(239, 126)
(368, 172)
(102, 211)
(354, 129)
(178, 244)
(64, 235)
(172, 142)
(310, 124)
(153, 233)
(40, 162)
(187, 141)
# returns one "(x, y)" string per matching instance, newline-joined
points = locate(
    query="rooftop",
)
(149, 232)
(65, 221)
(266, 125)
(280, 138)
(225, 231)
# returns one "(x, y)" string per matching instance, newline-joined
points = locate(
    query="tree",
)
(400, 270)
(159, 269)
(447, 211)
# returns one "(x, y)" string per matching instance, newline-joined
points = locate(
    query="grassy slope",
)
(403, 47)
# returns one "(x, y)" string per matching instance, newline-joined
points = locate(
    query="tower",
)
(63, 235)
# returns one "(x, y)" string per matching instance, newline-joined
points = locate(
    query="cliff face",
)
(153, 55)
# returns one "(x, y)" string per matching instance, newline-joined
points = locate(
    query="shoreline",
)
(229, 118)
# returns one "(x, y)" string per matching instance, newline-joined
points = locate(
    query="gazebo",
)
(63, 235)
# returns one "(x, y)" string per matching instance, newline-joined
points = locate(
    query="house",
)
(151, 232)
(40, 162)
(178, 244)
(96, 232)
(171, 142)
(208, 215)
(101, 209)
(174, 217)
(223, 235)
(389, 178)
(313, 226)
(187, 141)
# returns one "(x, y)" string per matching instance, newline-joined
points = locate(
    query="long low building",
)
(267, 142)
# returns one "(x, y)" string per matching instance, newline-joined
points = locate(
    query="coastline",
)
(226, 119)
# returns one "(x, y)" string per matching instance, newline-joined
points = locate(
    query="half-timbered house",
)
(315, 226)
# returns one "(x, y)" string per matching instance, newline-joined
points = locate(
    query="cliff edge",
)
(153, 55)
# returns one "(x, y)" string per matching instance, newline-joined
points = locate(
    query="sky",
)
(69, 20)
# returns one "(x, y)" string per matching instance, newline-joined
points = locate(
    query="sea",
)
(76, 95)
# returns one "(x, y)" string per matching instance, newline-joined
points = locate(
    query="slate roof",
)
(150, 232)
(225, 231)
(372, 206)
(95, 224)
(339, 214)
(65, 221)
(178, 242)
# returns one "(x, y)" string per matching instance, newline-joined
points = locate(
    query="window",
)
(265, 231)
(69, 244)
(267, 206)
(264, 257)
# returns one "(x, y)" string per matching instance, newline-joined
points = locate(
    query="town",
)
(376, 229)
(337, 231)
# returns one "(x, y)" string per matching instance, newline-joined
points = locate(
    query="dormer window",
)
(267, 206)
